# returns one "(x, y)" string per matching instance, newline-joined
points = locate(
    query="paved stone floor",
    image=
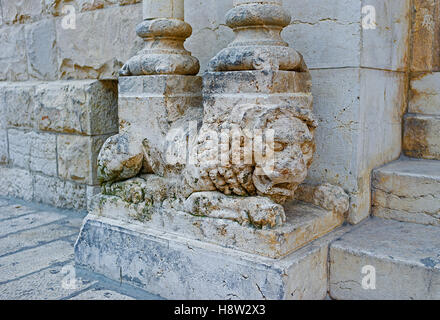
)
(36, 257)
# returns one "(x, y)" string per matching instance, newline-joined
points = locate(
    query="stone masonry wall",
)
(58, 94)
(360, 80)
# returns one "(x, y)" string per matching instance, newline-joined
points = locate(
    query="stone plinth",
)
(305, 222)
(177, 268)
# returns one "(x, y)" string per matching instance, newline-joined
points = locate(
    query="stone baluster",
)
(258, 44)
(164, 32)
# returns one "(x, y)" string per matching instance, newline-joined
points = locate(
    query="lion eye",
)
(278, 146)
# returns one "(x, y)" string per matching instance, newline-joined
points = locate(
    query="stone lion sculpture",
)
(234, 174)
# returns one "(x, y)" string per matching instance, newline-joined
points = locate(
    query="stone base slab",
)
(305, 223)
(178, 268)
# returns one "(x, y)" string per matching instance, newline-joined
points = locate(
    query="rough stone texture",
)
(304, 223)
(101, 53)
(17, 105)
(41, 50)
(34, 113)
(408, 190)
(54, 7)
(13, 61)
(350, 141)
(82, 107)
(91, 191)
(59, 193)
(21, 11)
(425, 94)
(421, 137)
(77, 157)
(163, 52)
(329, 35)
(426, 42)
(44, 256)
(13, 210)
(4, 154)
(16, 183)
(26, 222)
(327, 32)
(36, 257)
(154, 261)
(388, 46)
(404, 255)
(39, 233)
(33, 151)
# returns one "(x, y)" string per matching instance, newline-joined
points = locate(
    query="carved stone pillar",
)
(164, 32)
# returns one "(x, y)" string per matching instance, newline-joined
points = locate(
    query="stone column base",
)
(176, 268)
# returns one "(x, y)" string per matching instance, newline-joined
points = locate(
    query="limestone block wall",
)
(58, 94)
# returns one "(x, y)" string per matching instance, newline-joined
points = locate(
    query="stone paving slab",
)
(35, 237)
(3, 202)
(26, 262)
(26, 222)
(52, 283)
(36, 257)
(101, 294)
(13, 211)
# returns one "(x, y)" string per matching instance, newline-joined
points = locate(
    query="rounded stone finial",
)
(164, 33)
(258, 43)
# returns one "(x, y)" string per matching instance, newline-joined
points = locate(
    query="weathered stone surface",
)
(421, 137)
(46, 284)
(17, 104)
(91, 191)
(43, 257)
(33, 151)
(425, 94)
(13, 61)
(163, 52)
(21, 11)
(27, 222)
(426, 43)
(209, 28)
(16, 183)
(258, 44)
(388, 45)
(148, 108)
(404, 255)
(154, 260)
(35, 236)
(99, 54)
(9, 211)
(348, 116)
(408, 190)
(100, 294)
(77, 157)
(41, 50)
(304, 223)
(59, 193)
(86, 107)
(54, 7)
(4, 154)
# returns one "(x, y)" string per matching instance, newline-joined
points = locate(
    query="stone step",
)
(408, 190)
(386, 259)
(421, 138)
